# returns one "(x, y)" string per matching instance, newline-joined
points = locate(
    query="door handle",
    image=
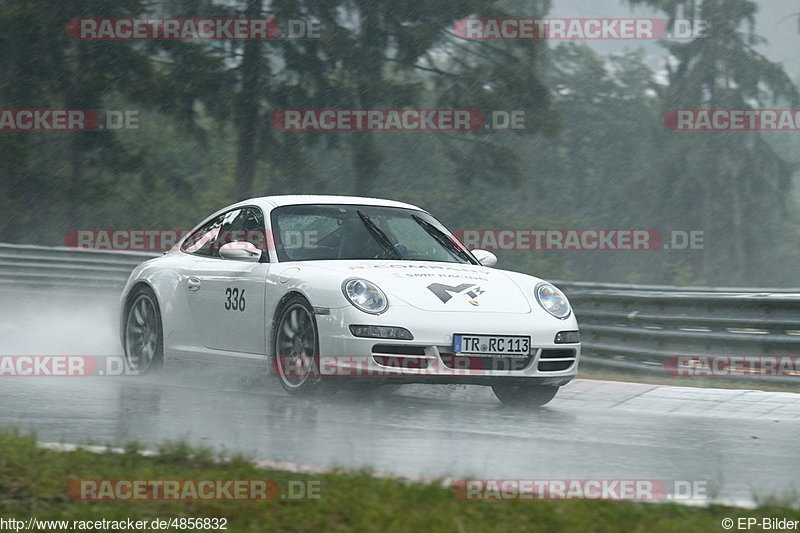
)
(193, 284)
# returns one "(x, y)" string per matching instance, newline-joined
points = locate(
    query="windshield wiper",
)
(378, 234)
(442, 238)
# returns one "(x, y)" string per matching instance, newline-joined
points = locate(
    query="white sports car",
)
(328, 290)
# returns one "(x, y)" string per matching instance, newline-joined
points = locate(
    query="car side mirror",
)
(240, 251)
(485, 257)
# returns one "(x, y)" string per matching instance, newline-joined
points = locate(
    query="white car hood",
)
(442, 287)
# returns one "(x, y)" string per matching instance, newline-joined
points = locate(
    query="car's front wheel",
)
(144, 337)
(296, 347)
(522, 395)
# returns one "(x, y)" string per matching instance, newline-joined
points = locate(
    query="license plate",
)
(509, 345)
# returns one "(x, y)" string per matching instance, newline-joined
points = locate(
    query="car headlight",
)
(365, 295)
(552, 300)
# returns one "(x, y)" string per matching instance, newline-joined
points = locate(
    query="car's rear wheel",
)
(144, 336)
(522, 395)
(296, 347)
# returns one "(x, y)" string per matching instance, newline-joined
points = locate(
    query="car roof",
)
(270, 202)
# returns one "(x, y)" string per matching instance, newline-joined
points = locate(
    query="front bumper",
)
(429, 357)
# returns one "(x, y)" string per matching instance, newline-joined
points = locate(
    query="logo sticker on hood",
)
(445, 292)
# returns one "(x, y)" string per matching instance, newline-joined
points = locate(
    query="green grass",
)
(33, 482)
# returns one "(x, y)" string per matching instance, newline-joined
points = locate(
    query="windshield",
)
(319, 232)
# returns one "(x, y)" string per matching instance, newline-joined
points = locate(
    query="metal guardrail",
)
(636, 328)
(632, 327)
(28, 265)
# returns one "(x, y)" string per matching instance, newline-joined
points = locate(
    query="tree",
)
(381, 54)
(247, 108)
(68, 175)
(722, 181)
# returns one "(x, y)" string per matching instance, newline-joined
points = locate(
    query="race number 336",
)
(234, 300)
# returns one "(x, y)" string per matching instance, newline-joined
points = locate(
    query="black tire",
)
(521, 395)
(143, 337)
(295, 348)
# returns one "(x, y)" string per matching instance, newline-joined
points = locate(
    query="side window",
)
(201, 242)
(245, 224)
(255, 230)
(230, 223)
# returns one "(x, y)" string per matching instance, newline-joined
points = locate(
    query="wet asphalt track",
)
(743, 442)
